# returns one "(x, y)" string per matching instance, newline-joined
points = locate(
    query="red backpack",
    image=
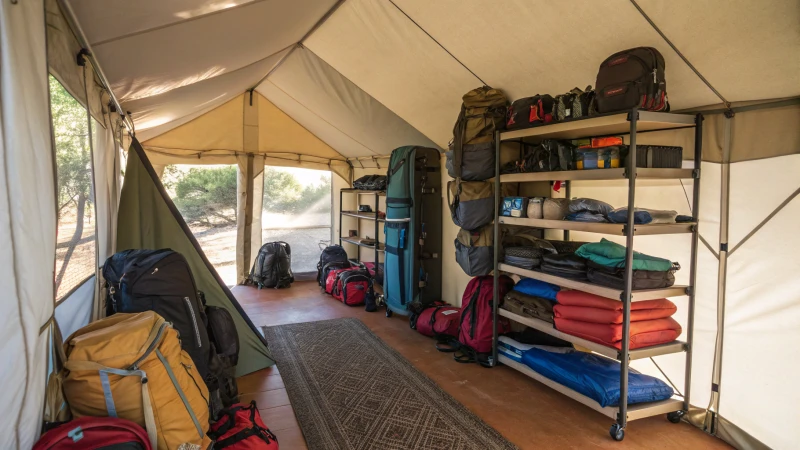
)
(90, 433)
(351, 286)
(240, 428)
(475, 331)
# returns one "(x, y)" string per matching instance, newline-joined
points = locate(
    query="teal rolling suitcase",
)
(413, 227)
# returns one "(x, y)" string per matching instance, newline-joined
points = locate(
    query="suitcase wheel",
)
(388, 312)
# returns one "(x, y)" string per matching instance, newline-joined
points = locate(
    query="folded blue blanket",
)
(595, 377)
(537, 288)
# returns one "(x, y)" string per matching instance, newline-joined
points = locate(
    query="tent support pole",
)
(722, 274)
(622, 417)
(698, 159)
(496, 252)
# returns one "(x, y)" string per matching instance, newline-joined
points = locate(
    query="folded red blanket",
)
(580, 298)
(643, 333)
(598, 315)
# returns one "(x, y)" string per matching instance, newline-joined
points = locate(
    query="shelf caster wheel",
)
(617, 432)
(676, 416)
(388, 312)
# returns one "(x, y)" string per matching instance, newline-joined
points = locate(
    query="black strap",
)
(458, 141)
(401, 263)
(400, 200)
(397, 167)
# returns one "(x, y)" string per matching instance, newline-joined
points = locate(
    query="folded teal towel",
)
(611, 254)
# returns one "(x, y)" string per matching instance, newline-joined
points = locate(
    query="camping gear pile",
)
(585, 210)
(157, 372)
(347, 282)
(471, 161)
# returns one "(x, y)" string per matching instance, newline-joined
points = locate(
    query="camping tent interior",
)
(337, 85)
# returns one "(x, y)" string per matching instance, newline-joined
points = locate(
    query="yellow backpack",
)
(131, 366)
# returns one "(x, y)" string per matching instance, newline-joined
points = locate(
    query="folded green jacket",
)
(611, 254)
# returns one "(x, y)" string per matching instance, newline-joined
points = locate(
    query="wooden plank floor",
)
(524, 411)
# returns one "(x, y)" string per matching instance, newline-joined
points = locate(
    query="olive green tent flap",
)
(148, 219)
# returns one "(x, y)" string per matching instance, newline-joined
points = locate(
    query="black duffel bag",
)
(529, 111)
(371, 183)
(642, 279)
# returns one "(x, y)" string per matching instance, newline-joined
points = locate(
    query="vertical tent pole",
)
(722, 273)
(622, 418)
(698, 160)
(496, 230)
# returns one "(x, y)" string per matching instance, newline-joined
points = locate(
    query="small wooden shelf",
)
(364, 192)
(597, 174)
(635, 411)
(607, 292)
(601, 228)
(360, 242)
(362, 215)
(611, 352)
(612, 124)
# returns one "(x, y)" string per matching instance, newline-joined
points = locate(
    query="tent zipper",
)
(194, 322)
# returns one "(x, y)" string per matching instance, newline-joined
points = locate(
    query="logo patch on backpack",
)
(615, 91)
(620, 60)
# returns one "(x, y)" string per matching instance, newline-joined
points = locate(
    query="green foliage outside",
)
(208, 195)
(73, 168)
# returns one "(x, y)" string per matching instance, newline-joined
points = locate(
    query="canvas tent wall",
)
(365, 76)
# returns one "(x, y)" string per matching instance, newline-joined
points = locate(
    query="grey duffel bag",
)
(477, 162)
(471, 203)
(474, 251)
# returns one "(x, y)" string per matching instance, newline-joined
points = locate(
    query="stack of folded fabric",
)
(527, 306)
(566, 265)
(607, 263)
(599, 319)
(588, 210)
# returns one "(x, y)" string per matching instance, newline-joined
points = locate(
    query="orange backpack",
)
(131, 366)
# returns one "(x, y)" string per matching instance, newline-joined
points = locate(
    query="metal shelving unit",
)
(626, 123)
(358, 241)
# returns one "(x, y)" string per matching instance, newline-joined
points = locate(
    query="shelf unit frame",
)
(378, 248)
(629, 123)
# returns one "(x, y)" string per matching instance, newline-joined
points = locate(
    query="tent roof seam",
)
(681, 55)
(321, 118)
(438, 43)
(168, 25)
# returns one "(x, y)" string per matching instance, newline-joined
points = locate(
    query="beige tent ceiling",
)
(371, 75)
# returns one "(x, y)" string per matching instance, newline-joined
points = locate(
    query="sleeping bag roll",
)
(595, 376)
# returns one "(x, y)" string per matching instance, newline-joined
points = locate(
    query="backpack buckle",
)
(76, 434)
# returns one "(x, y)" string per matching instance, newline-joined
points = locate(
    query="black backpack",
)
(332, 253)
(273, 266)
(160, 281)
(224, 338)
(632, 78)
(550, 155)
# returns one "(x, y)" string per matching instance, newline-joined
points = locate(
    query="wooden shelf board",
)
(611, 352)
(364, 192)
(597, 174)
(612, 124)
(362, 215)
(601, 228)
(603, 291)
(358, 241)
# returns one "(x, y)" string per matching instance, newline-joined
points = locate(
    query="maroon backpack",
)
(437, 321)
(90, 433)
(475, 331)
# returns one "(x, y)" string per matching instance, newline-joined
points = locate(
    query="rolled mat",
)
(643, 333)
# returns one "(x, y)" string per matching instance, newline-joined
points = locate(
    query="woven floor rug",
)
(349, 390)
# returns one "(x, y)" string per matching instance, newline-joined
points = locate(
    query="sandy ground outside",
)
(307, 234)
